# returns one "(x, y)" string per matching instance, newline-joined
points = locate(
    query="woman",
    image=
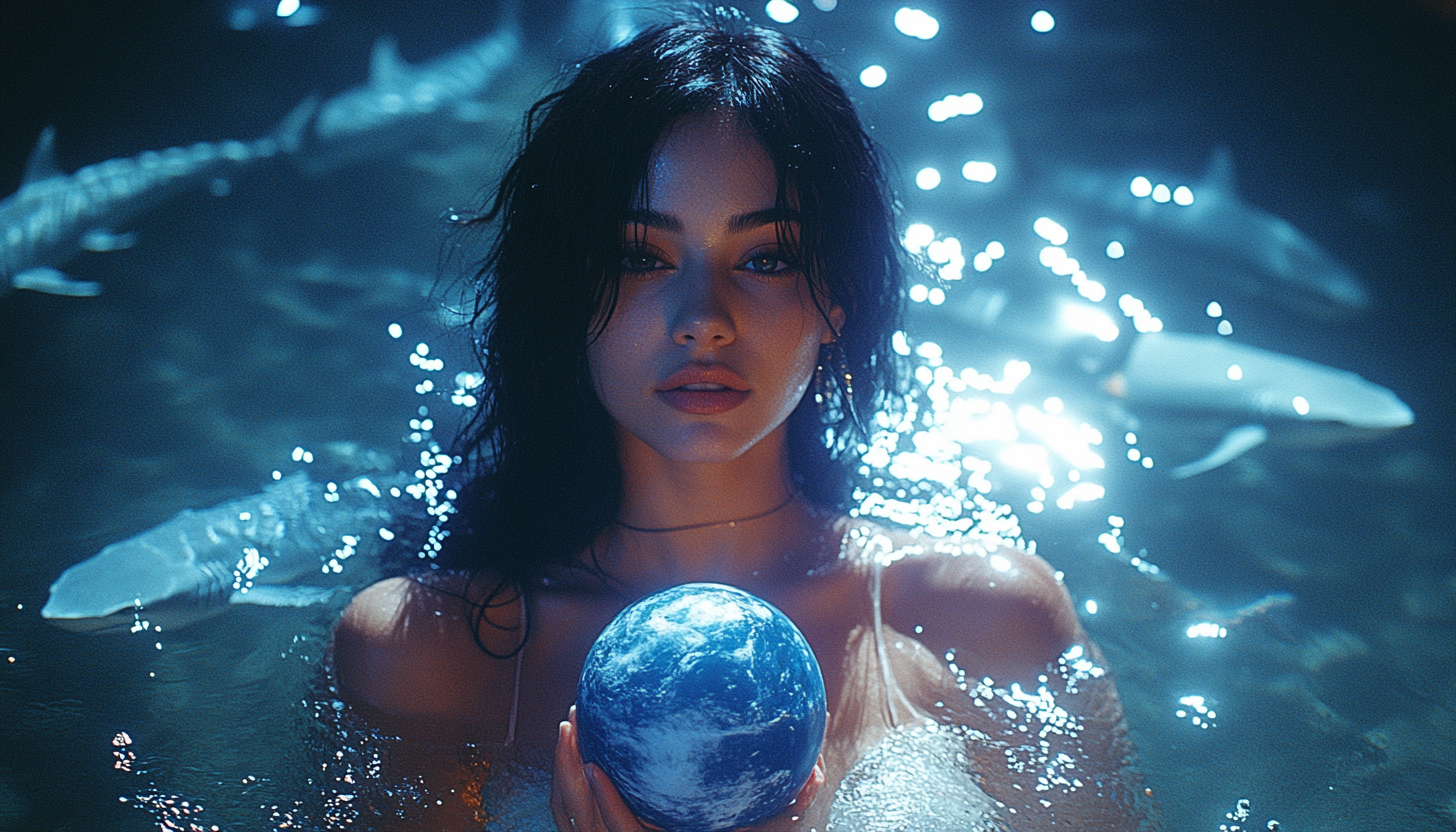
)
(688, 313)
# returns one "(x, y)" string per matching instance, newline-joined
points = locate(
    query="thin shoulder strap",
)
(895, 698)
(516, 684)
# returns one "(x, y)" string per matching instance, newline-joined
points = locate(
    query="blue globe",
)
(704, 705)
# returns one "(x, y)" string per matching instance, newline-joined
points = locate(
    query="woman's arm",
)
(406, 664)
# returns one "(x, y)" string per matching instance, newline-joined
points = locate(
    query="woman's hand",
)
(583, 799)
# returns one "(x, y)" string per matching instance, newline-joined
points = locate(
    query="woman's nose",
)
(702, 315)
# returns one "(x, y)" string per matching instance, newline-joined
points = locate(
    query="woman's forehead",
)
(709, 160)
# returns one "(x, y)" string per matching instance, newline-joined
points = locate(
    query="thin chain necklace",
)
(711, 524)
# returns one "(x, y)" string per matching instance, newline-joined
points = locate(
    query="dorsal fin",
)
(386, 68)
(42, 163)
(1220, 173)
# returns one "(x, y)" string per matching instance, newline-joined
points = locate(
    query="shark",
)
(1205, 230)
(1183, 387)
(55, 215)
(284, 547)
(1266, 395)
(374, 117)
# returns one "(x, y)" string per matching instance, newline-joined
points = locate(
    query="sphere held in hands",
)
(705, 706)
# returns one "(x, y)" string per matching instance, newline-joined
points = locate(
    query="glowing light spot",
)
(825, 5)
(1050, 230)
(1134, 454)
(782, 11)
(936, 296)
(1090, 606)
(1050, 256)
(1082, 492)
(386, 534)
(929, 350)
(1301, 405)
(982, 261)
(1141, 186)
(955, 105)
(1161, 193)
(927, 179)
(899, 343)
(1214, 310)
(918, 236)
(979, 171)
(395, 331)
(1182, 195)
(1043, 21)
(1115, 250)
(1053, 405)
(873, 76)
(1207, 629)
(286, 8)
(919, 292)
(1092, 290)
(1025, 457)
(916, 23)
(1235, 372)
(1130, 438)
(1225, 328)
(999, 563)
(1089, 320)
(1147, 462)
(996, 250)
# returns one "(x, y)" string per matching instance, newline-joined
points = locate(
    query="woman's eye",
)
(767, 264)
(641, 261)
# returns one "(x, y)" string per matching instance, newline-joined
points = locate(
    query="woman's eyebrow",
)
(652, 219)
(768, 216)
(739, 223)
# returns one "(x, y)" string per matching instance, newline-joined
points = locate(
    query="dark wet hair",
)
(543, 467)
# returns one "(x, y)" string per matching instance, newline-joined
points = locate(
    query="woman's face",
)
(715, 335)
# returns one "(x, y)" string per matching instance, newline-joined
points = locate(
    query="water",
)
(1316, 578)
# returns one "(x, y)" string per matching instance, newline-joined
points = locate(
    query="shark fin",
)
(1234, 444)
(290, 131)
(54, 282)
(42, 164)
(104, 239)
(271, 595)
(386, 67)
(1220, 173)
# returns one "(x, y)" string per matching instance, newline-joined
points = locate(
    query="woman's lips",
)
(704, 390)
(701, 402)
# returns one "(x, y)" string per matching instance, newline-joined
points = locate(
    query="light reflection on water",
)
(190, 730)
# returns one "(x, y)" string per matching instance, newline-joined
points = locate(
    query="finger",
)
(614, 812)
(806, 795)
(561, 773)
(569, 787)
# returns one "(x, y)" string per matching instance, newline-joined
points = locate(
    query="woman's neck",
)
(735, 522)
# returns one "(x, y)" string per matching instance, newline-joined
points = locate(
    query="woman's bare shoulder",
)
(983, 597)
(403, 649)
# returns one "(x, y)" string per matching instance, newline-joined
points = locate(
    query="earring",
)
(832, 372)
